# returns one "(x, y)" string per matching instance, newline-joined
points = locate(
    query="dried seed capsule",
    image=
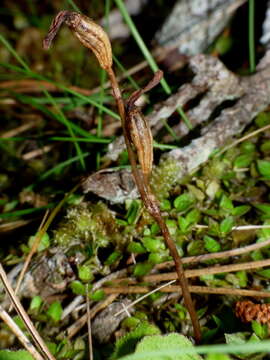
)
(138, 129)
(141, 137)
(90, 34)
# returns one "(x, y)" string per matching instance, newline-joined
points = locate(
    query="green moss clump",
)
(89, 224)
(164, 177)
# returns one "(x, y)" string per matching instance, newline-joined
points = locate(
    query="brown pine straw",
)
(24, 316)
(193, 289)
(217, 255)
(19, 334)
(197, 272)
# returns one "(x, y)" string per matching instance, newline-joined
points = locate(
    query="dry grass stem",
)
(20, 129)
(34, 248)
(24, 316)
(243, 138)
(19, 334)
(43, 228)
(218, 269)
(193, 289)
(217, 255)
(38, 152)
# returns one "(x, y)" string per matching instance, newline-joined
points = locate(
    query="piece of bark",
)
(50, 274)
(105, 323)
(112, 185)
(265, 38)
(230, 122)
(194, 24)
(251, 93)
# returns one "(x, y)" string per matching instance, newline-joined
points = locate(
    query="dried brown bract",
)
(247, 311)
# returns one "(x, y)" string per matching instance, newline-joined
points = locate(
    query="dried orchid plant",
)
(137, 133)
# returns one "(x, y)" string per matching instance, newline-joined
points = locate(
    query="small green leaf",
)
(265, 147)
(153, 245)
(243, 161)
(183, 202)
(167, 342)
(265, 273)
(261, 330)
(97, 295)
(136, 247)
(264, 168)
(133, 211)
(193, 216)
(127, 343)
(247, 147)
(183, 223)
(241, 210)
(226, 225)
(36, 303)
(155, 258)
(77, 287)
(265, 232)
(43, 244)
(142, 269)
(262, 119)
(195, 247)
(211, 244)
(85, 273)
(55, 311)
(154, 230)
(165, 205)
(263, 207)
(113, 257)
(226, 203)
(172, 226)
(243, 279)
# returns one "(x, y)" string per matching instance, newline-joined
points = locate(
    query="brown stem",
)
(194, 289)
(152, 207)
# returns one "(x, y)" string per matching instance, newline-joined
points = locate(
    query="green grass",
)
(251, 35)
(151, 61)
(64, 120)
(19, 213)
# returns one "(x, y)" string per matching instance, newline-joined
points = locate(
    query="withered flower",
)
(90, 34)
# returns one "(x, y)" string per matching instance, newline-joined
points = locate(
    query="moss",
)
(164, 177)
(88, 223)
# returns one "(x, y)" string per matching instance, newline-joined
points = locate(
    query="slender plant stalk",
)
(137, 134)
(23, 314)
